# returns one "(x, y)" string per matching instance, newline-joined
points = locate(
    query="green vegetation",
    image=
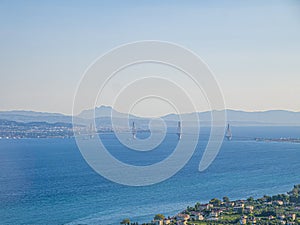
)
(159, 217)
(226, 199)
(268, 210)
(125, 221)
(215, 202)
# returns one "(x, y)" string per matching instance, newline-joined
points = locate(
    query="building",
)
(158, 222)
(248, 209)
(279, 203)
(292, 216)
(243, 220)
(196, 216)
(213, 216)
(167, 221)
(183, 217)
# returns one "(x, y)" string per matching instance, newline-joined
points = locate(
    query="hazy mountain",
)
(103, 117)
(103, 114)
(272, 117)
(31, 116)
(240, 118)
(102, 111)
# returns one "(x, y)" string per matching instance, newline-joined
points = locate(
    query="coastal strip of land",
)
(267, 210)
(288, 140)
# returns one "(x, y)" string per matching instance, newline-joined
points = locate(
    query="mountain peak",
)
(101, 111)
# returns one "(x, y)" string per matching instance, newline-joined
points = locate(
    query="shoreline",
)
(276, 209)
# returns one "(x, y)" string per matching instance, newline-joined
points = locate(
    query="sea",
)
(47, 181)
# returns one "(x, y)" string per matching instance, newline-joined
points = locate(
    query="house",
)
(290, 223)
(209, 206)
(249, 209)
(252, 220)
(271, 217)
(243, 220)
(181, 223)
(196, 216)
(268, 203)
(167, 221)
(229, 204)
(297, 208)
(292, 216)
(213, 216)
(281, 217)
(241, 205)
(182, 216)
(238, 209)
(202, 207)
(157, 222)
(278, 202)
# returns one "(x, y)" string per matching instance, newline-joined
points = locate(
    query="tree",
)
(215, 202)
(250, 199)
(189, 208)
(294, 194)
(267, 198)
(226, 199)
(159, 217)
(125, 221)
(197, 205)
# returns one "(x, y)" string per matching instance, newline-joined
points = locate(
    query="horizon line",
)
(227, 109)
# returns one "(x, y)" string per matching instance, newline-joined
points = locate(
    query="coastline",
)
(276, 209)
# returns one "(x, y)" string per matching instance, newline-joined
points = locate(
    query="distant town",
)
(283, 139)
(19, 124)
(277, 209)
(18, 130)
(10, 129)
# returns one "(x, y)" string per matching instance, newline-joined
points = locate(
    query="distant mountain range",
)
(31, 116)
(103, 113)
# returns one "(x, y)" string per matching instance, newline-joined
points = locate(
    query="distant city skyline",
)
(253, 49)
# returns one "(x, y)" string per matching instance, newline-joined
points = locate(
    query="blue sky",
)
(252, 47)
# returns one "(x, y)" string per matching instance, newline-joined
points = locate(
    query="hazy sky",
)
(253, 47)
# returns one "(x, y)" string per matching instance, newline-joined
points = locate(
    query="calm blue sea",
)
(46, 181)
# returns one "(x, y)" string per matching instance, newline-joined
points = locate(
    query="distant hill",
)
(103, 113)
(272, 117)
(31, 116)
(242, 118)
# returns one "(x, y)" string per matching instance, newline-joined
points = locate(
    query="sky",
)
(252, 47)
